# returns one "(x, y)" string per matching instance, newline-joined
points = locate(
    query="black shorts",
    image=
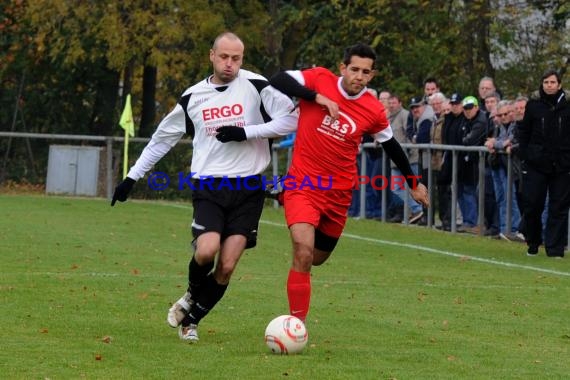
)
(227, 207)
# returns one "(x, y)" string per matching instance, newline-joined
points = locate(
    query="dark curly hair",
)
(360, 50)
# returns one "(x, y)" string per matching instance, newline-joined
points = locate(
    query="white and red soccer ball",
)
(286, 334)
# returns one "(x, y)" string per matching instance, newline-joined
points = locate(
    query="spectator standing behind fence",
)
(394, 203)
(544, 137)
(518, 114)
(486, 87)
(430, 87)
(499, 145)
(398, 117)
(491, 217)
(384, 97)
(451, 135)
(436, 101)
(519, 107)
(420, 133)
(491, 101)
(474, 133)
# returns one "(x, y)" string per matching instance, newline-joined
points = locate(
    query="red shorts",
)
(325, 209)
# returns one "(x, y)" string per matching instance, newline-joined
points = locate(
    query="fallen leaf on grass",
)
(106, 339)
(44, 330)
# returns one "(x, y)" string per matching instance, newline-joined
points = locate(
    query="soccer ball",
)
(286, 334)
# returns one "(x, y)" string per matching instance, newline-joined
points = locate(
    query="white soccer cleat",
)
(178, 311)
(189, 333)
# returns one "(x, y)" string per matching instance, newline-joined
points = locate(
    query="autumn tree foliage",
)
(75, 61)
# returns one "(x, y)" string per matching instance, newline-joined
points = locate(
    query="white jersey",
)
(248, 101)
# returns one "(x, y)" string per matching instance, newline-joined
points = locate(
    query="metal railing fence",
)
(430, 149)
(110, 141)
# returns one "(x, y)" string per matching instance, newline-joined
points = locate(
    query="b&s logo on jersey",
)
(338, 129)
(224, 115)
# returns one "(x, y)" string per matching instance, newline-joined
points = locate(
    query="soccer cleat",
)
(178, 311)
(189, 333)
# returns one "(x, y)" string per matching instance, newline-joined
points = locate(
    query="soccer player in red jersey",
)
(334, 114)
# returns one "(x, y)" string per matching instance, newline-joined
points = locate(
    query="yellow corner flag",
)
(128, 125)
(127, 122)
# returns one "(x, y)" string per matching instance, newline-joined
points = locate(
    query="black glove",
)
(228, 133)
(122, 190)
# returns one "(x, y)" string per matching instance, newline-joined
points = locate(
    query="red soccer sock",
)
(299, 293)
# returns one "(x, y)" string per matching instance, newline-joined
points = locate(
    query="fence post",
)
(481, 205)
(432, 193)
(509, 198)
(110, 176)
(362, 194)
(454, 162)
(388, 187)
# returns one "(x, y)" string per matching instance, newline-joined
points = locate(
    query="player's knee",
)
(223, 273)
(205, 255)
(302, 257)
(207, 246)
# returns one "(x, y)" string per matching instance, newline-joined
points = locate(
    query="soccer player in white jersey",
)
(227, 188)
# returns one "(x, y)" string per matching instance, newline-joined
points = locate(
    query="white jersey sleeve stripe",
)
(297, 75)
(384, 135)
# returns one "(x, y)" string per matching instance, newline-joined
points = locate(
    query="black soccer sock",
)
(197, 275)
(211, 292)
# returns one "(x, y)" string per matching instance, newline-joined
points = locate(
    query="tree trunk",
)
(105, 118)
(148, 114)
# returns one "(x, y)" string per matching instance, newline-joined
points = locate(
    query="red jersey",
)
(323, 149)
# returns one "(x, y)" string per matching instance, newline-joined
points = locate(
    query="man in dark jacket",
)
(473, 133)
(544, 143)
(450, 135)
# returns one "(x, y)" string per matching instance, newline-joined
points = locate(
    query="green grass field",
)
(85, 289)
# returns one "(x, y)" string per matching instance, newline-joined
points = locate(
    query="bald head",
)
(227, 36)
(226, 56)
